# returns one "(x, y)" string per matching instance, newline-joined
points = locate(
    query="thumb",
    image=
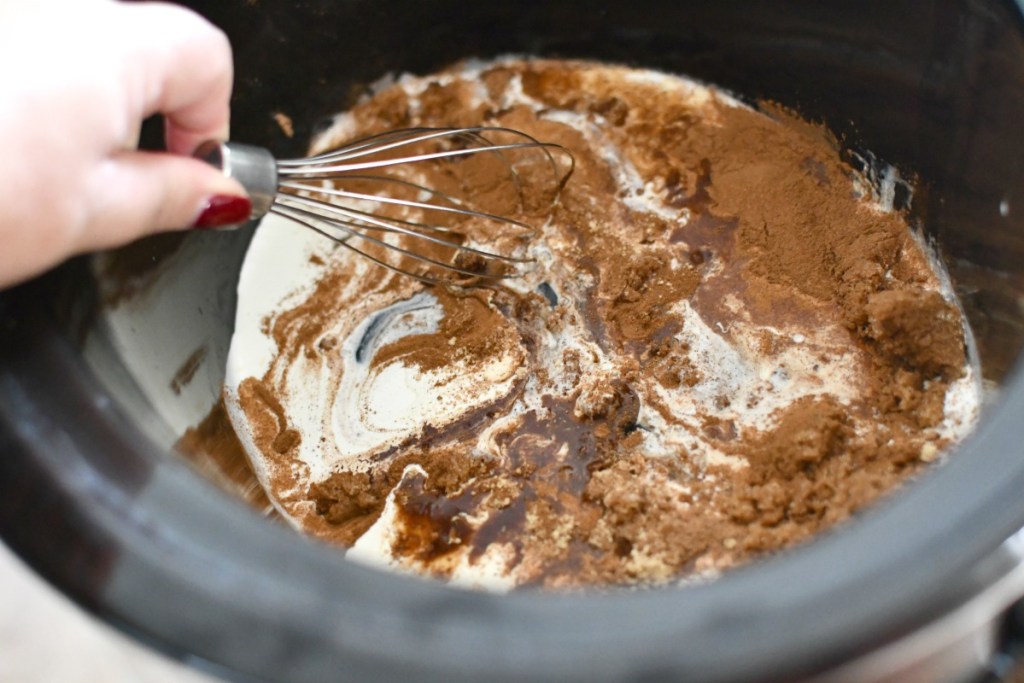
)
(137, 193)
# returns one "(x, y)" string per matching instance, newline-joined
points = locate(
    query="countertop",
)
(45, 638)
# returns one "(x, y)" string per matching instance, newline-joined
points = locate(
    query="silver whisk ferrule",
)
(254, 167)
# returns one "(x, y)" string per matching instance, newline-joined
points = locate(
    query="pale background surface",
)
(45, 638)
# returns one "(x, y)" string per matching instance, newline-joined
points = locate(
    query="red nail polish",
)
(224, 210)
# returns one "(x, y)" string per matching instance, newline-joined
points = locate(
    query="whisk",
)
(368, 197)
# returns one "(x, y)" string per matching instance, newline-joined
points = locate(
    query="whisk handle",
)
(254, 167)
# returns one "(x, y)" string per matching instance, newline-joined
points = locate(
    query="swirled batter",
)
(726, 343)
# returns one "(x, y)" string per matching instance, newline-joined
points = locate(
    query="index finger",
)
(188, 69)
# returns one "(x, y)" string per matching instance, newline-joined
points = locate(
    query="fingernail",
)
(223, 209)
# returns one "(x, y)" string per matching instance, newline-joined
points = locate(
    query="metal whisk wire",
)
(309, 191)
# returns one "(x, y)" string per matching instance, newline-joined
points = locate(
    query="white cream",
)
(379, 407)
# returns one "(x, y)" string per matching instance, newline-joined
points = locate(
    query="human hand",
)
(79, 77)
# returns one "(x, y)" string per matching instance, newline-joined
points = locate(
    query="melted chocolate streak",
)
(553, 457)
(434, 526)
(709, 237)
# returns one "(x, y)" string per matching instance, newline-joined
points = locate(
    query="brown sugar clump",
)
(917, 331)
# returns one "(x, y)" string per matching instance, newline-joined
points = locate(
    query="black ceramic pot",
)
(921, 587)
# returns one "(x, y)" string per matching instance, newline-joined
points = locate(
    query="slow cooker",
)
(925, 586)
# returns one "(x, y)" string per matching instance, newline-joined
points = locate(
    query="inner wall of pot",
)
(932, 87)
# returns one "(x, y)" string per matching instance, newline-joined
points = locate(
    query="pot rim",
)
(183, 563)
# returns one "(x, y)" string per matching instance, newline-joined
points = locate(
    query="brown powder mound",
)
(810, 473)
(797, 472)
(646, 527)
(470, 332)
(917, 331)
(640, 293)
(810, 432)
(758, 358)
